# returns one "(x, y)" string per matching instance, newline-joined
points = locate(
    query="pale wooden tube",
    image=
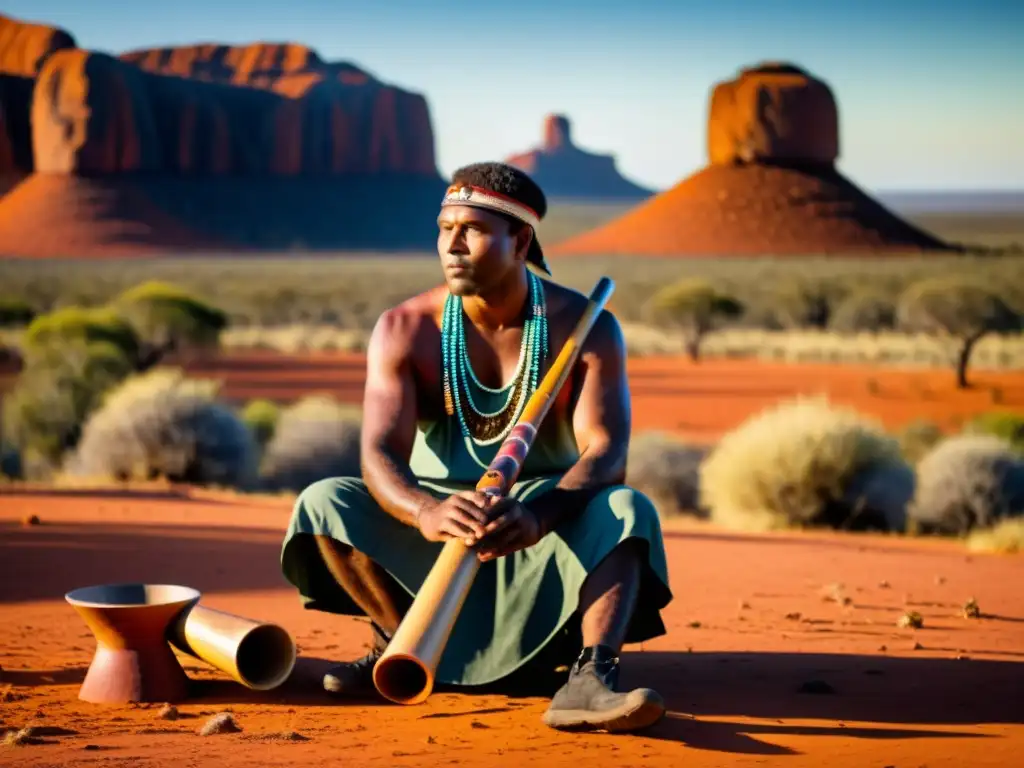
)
(257, 654)
(405, 671)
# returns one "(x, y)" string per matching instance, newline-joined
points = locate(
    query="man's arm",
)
(389, 418)
(601, 423)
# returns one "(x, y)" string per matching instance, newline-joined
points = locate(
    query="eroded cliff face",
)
(24, 48)
(213, 147)
(563, 170)
(97, 114)
(774, 113)
(333, 116)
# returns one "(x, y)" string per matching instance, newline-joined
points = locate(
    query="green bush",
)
(81, 325)
(315, 438)
(168, 318)
(163, 425)
(805, 463)
(967, 482)
(15, 312)
(261, 416)
(59, 387)
(667, 470)
(1005, 425)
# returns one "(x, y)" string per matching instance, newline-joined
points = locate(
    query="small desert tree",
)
(168, 319)
(694, 306)
(261, 416)
(958, 309)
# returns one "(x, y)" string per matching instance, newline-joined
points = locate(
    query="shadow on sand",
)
(45, 562)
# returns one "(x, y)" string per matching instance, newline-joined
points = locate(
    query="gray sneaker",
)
(355, 678)
(589, 699)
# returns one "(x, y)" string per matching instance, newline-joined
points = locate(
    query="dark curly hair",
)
(506, 180)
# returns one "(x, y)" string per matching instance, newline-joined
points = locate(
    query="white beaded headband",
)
(487, 198)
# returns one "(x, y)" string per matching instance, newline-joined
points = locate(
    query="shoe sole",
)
(639, 711)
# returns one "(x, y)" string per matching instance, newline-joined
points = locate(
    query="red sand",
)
(698, 401)
(731, 683)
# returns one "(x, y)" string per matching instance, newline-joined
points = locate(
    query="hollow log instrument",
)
(405, 671)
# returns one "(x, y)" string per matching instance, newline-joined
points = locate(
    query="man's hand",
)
(511, 527)
(462, 515)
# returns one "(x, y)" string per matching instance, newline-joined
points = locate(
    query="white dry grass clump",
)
(1006, 537)
(667, 470)
(806, 463)
(315, 438)
(295, 338)
(162, 424)
(967, 482)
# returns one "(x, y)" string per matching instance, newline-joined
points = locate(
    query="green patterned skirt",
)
(518, 605)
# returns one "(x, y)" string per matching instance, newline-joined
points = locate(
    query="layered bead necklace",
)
(485, 427)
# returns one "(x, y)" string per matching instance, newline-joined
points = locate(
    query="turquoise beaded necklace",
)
(488, 427)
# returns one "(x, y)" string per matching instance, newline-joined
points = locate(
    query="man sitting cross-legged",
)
(572, 552)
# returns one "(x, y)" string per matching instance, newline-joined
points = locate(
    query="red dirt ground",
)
(947, 694)
(697, 401)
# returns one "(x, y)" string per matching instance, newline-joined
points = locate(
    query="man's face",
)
(478, 249)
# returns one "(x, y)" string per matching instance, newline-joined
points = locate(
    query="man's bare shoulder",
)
(400, 328)
(568, 305)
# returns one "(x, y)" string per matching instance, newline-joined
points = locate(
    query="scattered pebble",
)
(794, 616)
(31, 520)
(694, 625)
(918, 647)
(911, 619)
(940, 580)
(744, 605)
(221, 723)
(883, 584)
(971, 609)
(168, 712)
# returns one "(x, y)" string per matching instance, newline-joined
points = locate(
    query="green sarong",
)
(518, 604)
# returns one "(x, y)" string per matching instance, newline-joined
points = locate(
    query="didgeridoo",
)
(405, 671)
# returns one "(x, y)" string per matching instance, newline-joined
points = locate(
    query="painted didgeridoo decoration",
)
(405, 671)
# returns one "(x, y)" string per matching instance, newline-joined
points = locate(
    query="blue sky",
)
(930, 93)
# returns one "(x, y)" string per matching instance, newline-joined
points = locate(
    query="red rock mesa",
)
(771, 186)
(565, 171)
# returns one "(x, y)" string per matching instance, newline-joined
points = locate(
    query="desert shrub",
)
(10, 462)
(967, 482)
(806, 463)
(801, 303)
(917, 439)
(864, 310)
(161, 424)
(958, 309)
(167, 318)
(61, 384)
(315, 438)
(83, 325)
(1005, 537)
(15, 312)
(694, 307)
(667, 470)
(261, 416)
(1008, 426)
